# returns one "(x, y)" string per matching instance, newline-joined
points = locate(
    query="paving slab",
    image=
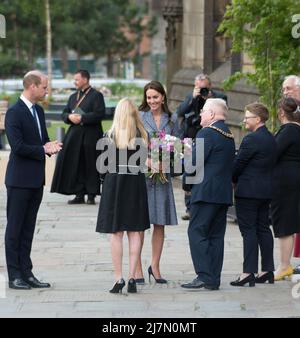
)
(76, 260)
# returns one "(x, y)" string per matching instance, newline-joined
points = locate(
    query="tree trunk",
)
(17, 43)
(78, 59)
(49, 47)
(109, 64)
(30, 54)
(64, 60)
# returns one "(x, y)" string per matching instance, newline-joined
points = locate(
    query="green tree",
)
(110, 31)
(263, 30)
(91, 27)
(119, 29)
(49, 46)
(98, 27)
(11, 67)
(140, 26)
(25, 29)
(78, 30)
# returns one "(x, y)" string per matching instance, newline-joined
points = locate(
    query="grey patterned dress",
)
(161, 201)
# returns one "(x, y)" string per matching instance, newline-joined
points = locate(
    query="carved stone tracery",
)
(172, 13)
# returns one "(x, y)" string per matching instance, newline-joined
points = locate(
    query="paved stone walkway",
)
(68, 253)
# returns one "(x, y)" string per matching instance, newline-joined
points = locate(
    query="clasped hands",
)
(75, 118)
(53, 147)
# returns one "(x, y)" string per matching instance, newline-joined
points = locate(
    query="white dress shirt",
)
(29, 104)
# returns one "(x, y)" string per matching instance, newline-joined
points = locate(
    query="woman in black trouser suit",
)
(252, 177)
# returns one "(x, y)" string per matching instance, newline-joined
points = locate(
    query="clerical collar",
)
(84, 90)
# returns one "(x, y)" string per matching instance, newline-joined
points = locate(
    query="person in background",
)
(291, 88)
(286, 198)
(75, 171)
(252, 179)
(188, 111)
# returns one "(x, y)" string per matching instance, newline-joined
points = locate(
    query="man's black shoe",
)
(35, 283)
(18, 284)
(91, 200)
(76, 200)
(195, 284)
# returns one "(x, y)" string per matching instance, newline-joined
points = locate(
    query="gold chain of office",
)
(229, 135)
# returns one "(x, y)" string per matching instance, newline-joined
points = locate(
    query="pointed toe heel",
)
(117, 288)
(157, 280)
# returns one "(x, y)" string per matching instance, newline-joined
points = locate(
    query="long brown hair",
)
(159, 88)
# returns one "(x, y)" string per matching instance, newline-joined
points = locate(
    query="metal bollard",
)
(60, 134)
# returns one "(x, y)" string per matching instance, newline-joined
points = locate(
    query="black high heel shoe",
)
(117, 288)
(131, 287)
(249, 279)
(267, 277)
(157, 280)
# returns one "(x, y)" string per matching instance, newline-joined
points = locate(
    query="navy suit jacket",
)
(219, 152)
(26, 165)
(253, 166)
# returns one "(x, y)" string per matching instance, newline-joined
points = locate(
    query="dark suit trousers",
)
(253, 220)
(206, 236)
(22, 209)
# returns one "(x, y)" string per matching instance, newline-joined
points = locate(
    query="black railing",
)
(55, 110)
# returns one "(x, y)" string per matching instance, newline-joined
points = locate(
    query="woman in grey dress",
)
(157, 118)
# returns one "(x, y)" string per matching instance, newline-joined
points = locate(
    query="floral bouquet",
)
(166, 153)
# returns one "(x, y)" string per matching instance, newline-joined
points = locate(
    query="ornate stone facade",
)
(173, 14)
(195, 46)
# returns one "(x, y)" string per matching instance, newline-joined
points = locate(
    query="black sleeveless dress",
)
(124, 201)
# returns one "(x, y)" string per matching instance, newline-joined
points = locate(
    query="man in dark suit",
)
(210, 198)
(189, 110)
(25, 177)
(76, 171)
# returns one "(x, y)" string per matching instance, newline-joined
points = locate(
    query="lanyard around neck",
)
(78, 101)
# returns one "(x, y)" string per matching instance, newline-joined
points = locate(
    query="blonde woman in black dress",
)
(124, 204)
